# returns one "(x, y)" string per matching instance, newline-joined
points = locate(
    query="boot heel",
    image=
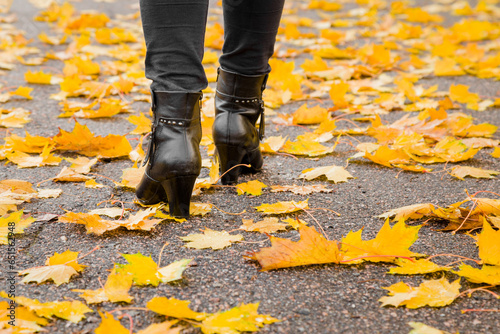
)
(229, 157)
(179, 190)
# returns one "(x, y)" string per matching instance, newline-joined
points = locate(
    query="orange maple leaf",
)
(312, 248)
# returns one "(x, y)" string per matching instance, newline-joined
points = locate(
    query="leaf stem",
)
(368, 256)
(161, 252)
(479, 310)
(81, 257)
(229, 213)
(453, 255)
(317, 223)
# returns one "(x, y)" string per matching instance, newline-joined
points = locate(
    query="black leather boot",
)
(238, 106)
(173, 156)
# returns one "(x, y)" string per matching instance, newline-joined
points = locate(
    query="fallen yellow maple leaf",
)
(93, 184)
(307, 116)
(391, 243)
(81, 164)
(26, 321)
(306, 147)
(414, 211)
(13, 224)
(211, 239)
(131, 177)
(83, 141)
(70, 175)
(416, 267)
(145, 271)
(302, 190)
(282, 207)
(335, 174)
(434, 293)
(284, 79)
(242, 318)
(175, 308)
(28, 144)
(173, 271)
(16, 186)
(487, 274)
(489, 247)
(142, 123)
(94, 224)
(253, 188)
(14, 118)
(24, 160)
(460, 93)
(73, 311)
(115, 290)
(421, 328)
(110, 325)
(272, 144)
(40, 78)
(22, 92)
(59, 268)
(496, 152)
(312, 248)
(162, 328)
(268, 225)
(461, 172)
(142, 268)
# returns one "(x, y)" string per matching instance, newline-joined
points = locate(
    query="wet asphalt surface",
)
(312, 299)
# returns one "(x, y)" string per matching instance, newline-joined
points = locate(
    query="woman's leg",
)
(174, 31)
(250, 28)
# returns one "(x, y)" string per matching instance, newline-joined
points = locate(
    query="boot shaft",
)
(240, 86)
(176, 105)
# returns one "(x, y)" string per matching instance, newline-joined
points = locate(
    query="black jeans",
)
(174, 31)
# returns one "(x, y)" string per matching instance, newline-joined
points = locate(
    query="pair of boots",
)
(173, 157)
